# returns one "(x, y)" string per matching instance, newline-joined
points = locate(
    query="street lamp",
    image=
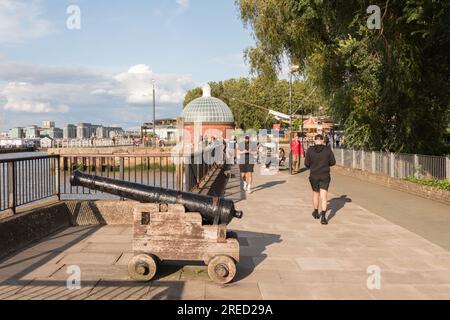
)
(154, 113)
(292, 69)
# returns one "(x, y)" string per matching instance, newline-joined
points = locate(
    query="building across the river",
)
(47, 142)
(53, 133)
(20, 142)
(166, 129)
(32, 132)
(70, 131)
(48, 124)
(88, 130)
(17, 133)
(108, 132)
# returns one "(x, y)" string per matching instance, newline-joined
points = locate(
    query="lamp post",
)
(292, 69)
(154, 113)
(303, 112)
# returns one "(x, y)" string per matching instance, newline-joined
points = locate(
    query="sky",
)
(98, 66)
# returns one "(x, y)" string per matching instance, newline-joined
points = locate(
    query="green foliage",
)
(296, 125)
(191, 95)
(244, 95)
(439, 184)
(390, 88)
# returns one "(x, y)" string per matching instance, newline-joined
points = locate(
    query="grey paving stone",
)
(94, 258)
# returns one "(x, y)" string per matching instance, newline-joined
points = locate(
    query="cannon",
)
(173, 225)
(214, 210)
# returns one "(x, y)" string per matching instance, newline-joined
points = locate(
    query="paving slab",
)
(235, 291)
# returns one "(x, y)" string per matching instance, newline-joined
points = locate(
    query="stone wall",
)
(25, 228)
(100, 212)
(397, 184)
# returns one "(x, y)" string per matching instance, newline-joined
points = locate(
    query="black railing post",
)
(58, 177)
(12, 186)
(122, 171)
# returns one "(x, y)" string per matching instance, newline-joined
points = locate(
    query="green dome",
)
(207, 109)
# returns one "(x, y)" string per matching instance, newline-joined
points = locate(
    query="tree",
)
(191, 95)
(390, 88)
(244, 95)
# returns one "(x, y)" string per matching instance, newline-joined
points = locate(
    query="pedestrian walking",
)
(281, 157)
(319, 158)
(297, 153)
(337, 138)
(327, 140)
(246, 156)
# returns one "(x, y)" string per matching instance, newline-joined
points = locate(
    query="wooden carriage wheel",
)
(142, 267)
(222, 269)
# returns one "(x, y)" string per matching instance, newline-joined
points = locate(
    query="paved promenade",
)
(285, 254)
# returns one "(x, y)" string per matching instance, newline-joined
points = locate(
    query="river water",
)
(35, 181)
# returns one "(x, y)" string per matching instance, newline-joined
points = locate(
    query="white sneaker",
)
(245, 186)
(249, 189)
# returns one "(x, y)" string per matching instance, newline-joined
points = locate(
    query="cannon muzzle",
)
(214, 210)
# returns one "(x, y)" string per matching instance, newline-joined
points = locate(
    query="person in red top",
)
(297, 153)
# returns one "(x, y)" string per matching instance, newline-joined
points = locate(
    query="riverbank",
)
(16, 150)
(21, 155)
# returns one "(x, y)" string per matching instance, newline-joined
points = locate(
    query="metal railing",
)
(195, 170)
(396, 165)
(26, 180)
(158, 170)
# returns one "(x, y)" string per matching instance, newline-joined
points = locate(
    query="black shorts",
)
(244, 168)
(318, 183)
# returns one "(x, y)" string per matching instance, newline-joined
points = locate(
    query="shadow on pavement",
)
(26, 264)
(97, 290)
(252, 252)
(268, 185)
(337, 204)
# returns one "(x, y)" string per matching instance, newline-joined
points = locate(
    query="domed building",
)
(207, 117)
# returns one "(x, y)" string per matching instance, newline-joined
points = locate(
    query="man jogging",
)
(319, 158)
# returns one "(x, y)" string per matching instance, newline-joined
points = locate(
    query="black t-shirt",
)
(246, 158)
(319, 159)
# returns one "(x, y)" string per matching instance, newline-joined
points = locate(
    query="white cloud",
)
(34, 107)
(88, 93)
(21, 20)
(26, 97)
(136, 85)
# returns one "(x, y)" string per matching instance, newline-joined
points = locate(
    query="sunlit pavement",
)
(285, 254)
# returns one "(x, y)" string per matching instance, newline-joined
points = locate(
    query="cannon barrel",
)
(213, 209)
